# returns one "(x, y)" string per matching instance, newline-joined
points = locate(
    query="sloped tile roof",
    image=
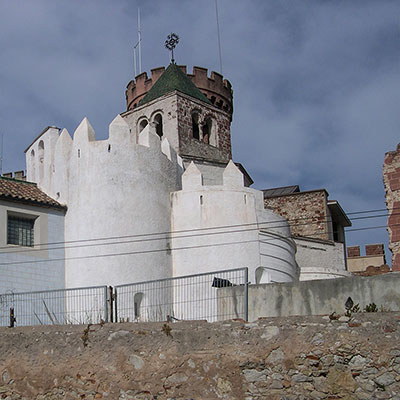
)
(281, 191)
(173, 78)
(27, 192)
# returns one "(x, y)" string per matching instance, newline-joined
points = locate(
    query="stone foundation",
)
(275, 358)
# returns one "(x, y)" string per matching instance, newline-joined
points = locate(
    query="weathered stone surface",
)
(385, 379)
(340, 381)
(358, 361)
(275, 356)
(203, 361)
(270, 332)
(136, 361)
(252, 375)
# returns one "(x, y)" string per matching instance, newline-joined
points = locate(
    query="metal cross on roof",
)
(170, 44)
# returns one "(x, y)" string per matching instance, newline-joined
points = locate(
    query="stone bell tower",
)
(193, 111)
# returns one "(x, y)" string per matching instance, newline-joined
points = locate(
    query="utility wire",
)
(182, 248)
(168, 234)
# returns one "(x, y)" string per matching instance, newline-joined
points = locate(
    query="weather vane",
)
(170, 44)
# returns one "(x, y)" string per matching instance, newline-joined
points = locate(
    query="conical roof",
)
(172, 79)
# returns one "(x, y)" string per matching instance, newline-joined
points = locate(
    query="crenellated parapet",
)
(55, 160)
(217, 89)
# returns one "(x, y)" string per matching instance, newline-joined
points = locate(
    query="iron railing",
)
(63, 306)
(211, 296)
(206, 296)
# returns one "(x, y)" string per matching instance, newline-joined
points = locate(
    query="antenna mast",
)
(139, 40)
(219, 38)
(138, 45)
(1, 154)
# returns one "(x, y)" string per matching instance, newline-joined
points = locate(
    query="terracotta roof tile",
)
(12, 189)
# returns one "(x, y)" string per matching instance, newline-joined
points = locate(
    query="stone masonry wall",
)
(306, 212)
(391, 181)
(188, 146)
(277, 358)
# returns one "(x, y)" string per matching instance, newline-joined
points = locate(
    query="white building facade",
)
(129, 195)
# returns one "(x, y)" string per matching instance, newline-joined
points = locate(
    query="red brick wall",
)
(353, 251)
(374, 249)
(306, 212)
(391, 181)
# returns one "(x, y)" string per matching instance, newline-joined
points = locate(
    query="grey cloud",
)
(316, 86)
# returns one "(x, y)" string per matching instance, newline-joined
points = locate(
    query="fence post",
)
(110, 306)
(106, 314)
(246, 294)
(13, 320)
(114, 296)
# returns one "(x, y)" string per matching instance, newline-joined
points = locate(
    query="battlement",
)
(54, 157)
(18, 175)
(192, 178)
(217, 89)
(370, 250)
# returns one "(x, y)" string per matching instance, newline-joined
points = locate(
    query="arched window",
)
(41, 159)
(195, 126)
(137, 301)
(210, 132)
(207, 129)
(143, 123)
(159, 125)
(32, 166)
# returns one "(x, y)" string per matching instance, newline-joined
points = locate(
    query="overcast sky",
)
(316, 83)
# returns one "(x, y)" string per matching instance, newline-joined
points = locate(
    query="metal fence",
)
(63, 306)
(212, 296)
(204, 296)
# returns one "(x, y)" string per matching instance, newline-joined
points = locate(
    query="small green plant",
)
(380, 387)
(371, 308)
(356, 308)
(167, 330)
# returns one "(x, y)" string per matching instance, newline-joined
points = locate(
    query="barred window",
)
(20, 231)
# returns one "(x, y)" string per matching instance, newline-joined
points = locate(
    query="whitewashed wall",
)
(226, 226)
(320, 259)
(40, 267)
(116, 191)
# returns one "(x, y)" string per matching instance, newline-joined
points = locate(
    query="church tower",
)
(193, 111)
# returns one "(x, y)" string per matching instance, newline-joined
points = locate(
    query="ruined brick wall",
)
(391, 181)
(191, 147)
(306, 212)
(277, 358)
(374, 257)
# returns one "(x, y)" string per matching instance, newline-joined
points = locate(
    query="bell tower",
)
(193, 111)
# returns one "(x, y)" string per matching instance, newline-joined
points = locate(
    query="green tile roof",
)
(172, 79)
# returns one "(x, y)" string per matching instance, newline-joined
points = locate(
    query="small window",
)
(142, 125)
(207, 128)
(159, 125)
(41, 159)
(32, 166)
(210, 132)
(195, 126)
(20, 231)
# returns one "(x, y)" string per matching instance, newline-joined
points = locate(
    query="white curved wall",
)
(115, 189)
(226, 227)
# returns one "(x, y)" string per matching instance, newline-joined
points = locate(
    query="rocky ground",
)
(275, 358)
